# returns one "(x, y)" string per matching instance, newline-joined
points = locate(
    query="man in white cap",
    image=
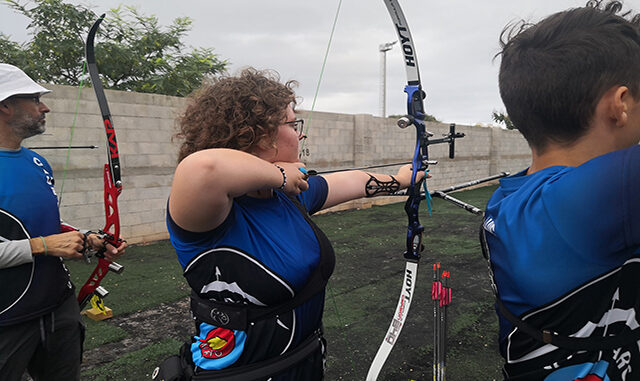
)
(40, 327)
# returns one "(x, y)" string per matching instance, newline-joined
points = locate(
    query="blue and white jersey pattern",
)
(29, 208)
(563, 245)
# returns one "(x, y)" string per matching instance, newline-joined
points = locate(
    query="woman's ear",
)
(269, 144)
(265, 149)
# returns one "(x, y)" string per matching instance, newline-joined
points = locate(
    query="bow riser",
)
(415, 105)
(415, 109)
(90, 286)
(414, 230)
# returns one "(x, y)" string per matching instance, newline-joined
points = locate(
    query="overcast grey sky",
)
(455, 40)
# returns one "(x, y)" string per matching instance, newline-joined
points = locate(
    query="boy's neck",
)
(590, 146)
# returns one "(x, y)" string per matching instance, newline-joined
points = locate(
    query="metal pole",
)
(383, 48)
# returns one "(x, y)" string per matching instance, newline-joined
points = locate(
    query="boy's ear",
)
(620, 104)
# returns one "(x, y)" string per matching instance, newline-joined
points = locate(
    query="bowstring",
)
(324, 64)
(73, 126)
(305, 132)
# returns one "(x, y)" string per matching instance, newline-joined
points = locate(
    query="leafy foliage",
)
(132, 51)
(500, 117)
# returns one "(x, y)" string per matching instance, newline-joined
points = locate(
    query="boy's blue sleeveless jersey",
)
(262, 254)
(557, 239)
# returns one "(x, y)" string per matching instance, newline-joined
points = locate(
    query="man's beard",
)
(26, 126)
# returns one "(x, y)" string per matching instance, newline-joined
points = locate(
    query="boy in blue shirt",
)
(562, 235)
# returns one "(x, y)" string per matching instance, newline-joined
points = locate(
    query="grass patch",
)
(136, 365)
(99, 333)
(151, 276)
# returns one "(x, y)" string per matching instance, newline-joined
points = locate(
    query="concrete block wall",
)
(145, 123)
(144, 126)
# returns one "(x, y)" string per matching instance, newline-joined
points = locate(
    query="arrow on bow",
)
(415, 116)
(112, 181)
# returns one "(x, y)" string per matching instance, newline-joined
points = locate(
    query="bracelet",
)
(284, 177)
(44, 244)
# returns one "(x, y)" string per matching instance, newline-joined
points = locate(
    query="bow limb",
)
(112, 180)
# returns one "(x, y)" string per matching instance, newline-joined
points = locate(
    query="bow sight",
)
(450, 138)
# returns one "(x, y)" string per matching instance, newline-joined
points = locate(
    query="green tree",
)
(132, 51)
(503, 118)
(12, 52)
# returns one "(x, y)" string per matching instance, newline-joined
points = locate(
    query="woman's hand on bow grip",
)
(296, 180)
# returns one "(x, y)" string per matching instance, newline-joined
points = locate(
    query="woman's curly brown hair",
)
(235, 112)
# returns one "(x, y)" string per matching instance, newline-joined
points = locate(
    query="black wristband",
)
(284, 177)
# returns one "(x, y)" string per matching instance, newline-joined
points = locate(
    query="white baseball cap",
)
(14, 81)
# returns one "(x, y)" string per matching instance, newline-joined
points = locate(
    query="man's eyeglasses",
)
(34, 98)
(298, 126)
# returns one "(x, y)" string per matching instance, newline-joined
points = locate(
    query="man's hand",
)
(65, 245)
(111, 253)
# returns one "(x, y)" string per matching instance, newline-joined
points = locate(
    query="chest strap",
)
(548, 336)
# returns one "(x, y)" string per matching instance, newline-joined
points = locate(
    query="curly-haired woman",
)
(238, 219)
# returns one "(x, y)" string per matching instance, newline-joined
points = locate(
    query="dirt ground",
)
(145, 328)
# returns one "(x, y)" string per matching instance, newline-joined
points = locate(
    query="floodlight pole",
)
(383, 48)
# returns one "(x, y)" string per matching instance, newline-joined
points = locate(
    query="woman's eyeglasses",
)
(298, 126)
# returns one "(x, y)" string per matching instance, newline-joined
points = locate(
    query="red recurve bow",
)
(112, 181)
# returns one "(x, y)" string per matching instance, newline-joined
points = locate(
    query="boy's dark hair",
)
(553, 73)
